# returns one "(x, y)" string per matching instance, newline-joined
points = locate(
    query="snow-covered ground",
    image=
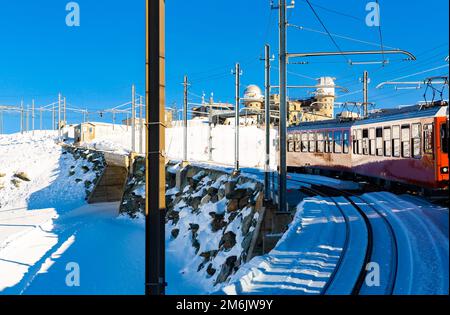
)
(45, 223)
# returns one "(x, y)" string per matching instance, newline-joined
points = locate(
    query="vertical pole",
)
(210, 117)
(185, 118)
(366, 94)
(53, 116)
(64, 111)
(141, 127)
(113, 118)
(21, 117)
(32, 116)
(27, 118)
(59, 116)
(267, 122)
(133, 118)
(282, 204)
(155, 188)
(236, 117)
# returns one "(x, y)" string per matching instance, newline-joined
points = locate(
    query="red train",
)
(407, 145)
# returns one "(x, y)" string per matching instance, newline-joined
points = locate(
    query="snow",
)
(45, 224)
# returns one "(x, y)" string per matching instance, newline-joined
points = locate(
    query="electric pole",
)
(64, 111)
(133, 118)
(21, 117)
(53, 116)
(366, 94)
(282, 200)
(32, 116)
(155, 281)
(59, 116)
(141, 127)
(185, 119)
(27, 118)
(267, 121)
(237, 73)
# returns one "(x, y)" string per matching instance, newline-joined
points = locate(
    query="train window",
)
(444, 138)
(304, 143)
(297, 138)
(320, 142)
(387, 141)
(365, 142)
(372, 141)
(337, 145)
(428, 139)
(346, 141)
(415, 135)
(396, 141)
(359, 134)
(406, 141)
(379, 141)
(312, 142)
(328, 142)
(290, 147)
(355, 142)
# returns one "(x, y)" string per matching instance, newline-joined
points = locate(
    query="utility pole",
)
(366, 94)
(32, 116)
(133, 118)
(114, 118)
(210, 122)
(185, 119)
(237, 72)
(282, 200)
(27, 119)
(59, 116)
(267, 122)
(155, 281)
(40, 118)
(53, 116)
(64, 111)
(21, 117)
(141, 126)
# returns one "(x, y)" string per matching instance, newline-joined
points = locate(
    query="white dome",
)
(253, 92)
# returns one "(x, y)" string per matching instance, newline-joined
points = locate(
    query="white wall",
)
(251, 144)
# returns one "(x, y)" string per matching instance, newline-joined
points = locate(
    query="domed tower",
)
(253, 97)
(325, 95)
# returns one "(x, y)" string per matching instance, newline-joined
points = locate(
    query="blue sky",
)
(205, 38)
(93, 65)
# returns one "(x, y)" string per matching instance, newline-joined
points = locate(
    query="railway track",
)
(380, 248)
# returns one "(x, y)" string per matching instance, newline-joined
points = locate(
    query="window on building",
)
(372, 146)
(428, 139)
(379, 141)
(396, 141)
(291, 144)
(304, 145)
(365, 141)
(346, 141)
(387, 141)
(415, 138)
(297, 139)
(337, 142)
(320, 142)
(312, 142)
(406, 141)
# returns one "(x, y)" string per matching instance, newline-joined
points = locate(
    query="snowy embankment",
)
(251, 144)
(210, 226)
(45, 221)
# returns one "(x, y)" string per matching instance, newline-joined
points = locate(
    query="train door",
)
(441, 138)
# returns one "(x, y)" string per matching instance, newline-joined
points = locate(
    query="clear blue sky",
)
(205, 38)
(93, 65)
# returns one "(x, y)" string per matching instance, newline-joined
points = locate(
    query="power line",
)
(338, 12)
(328, 32)
(379, 31)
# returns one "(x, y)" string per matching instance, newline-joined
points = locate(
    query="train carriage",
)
(407, 145)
